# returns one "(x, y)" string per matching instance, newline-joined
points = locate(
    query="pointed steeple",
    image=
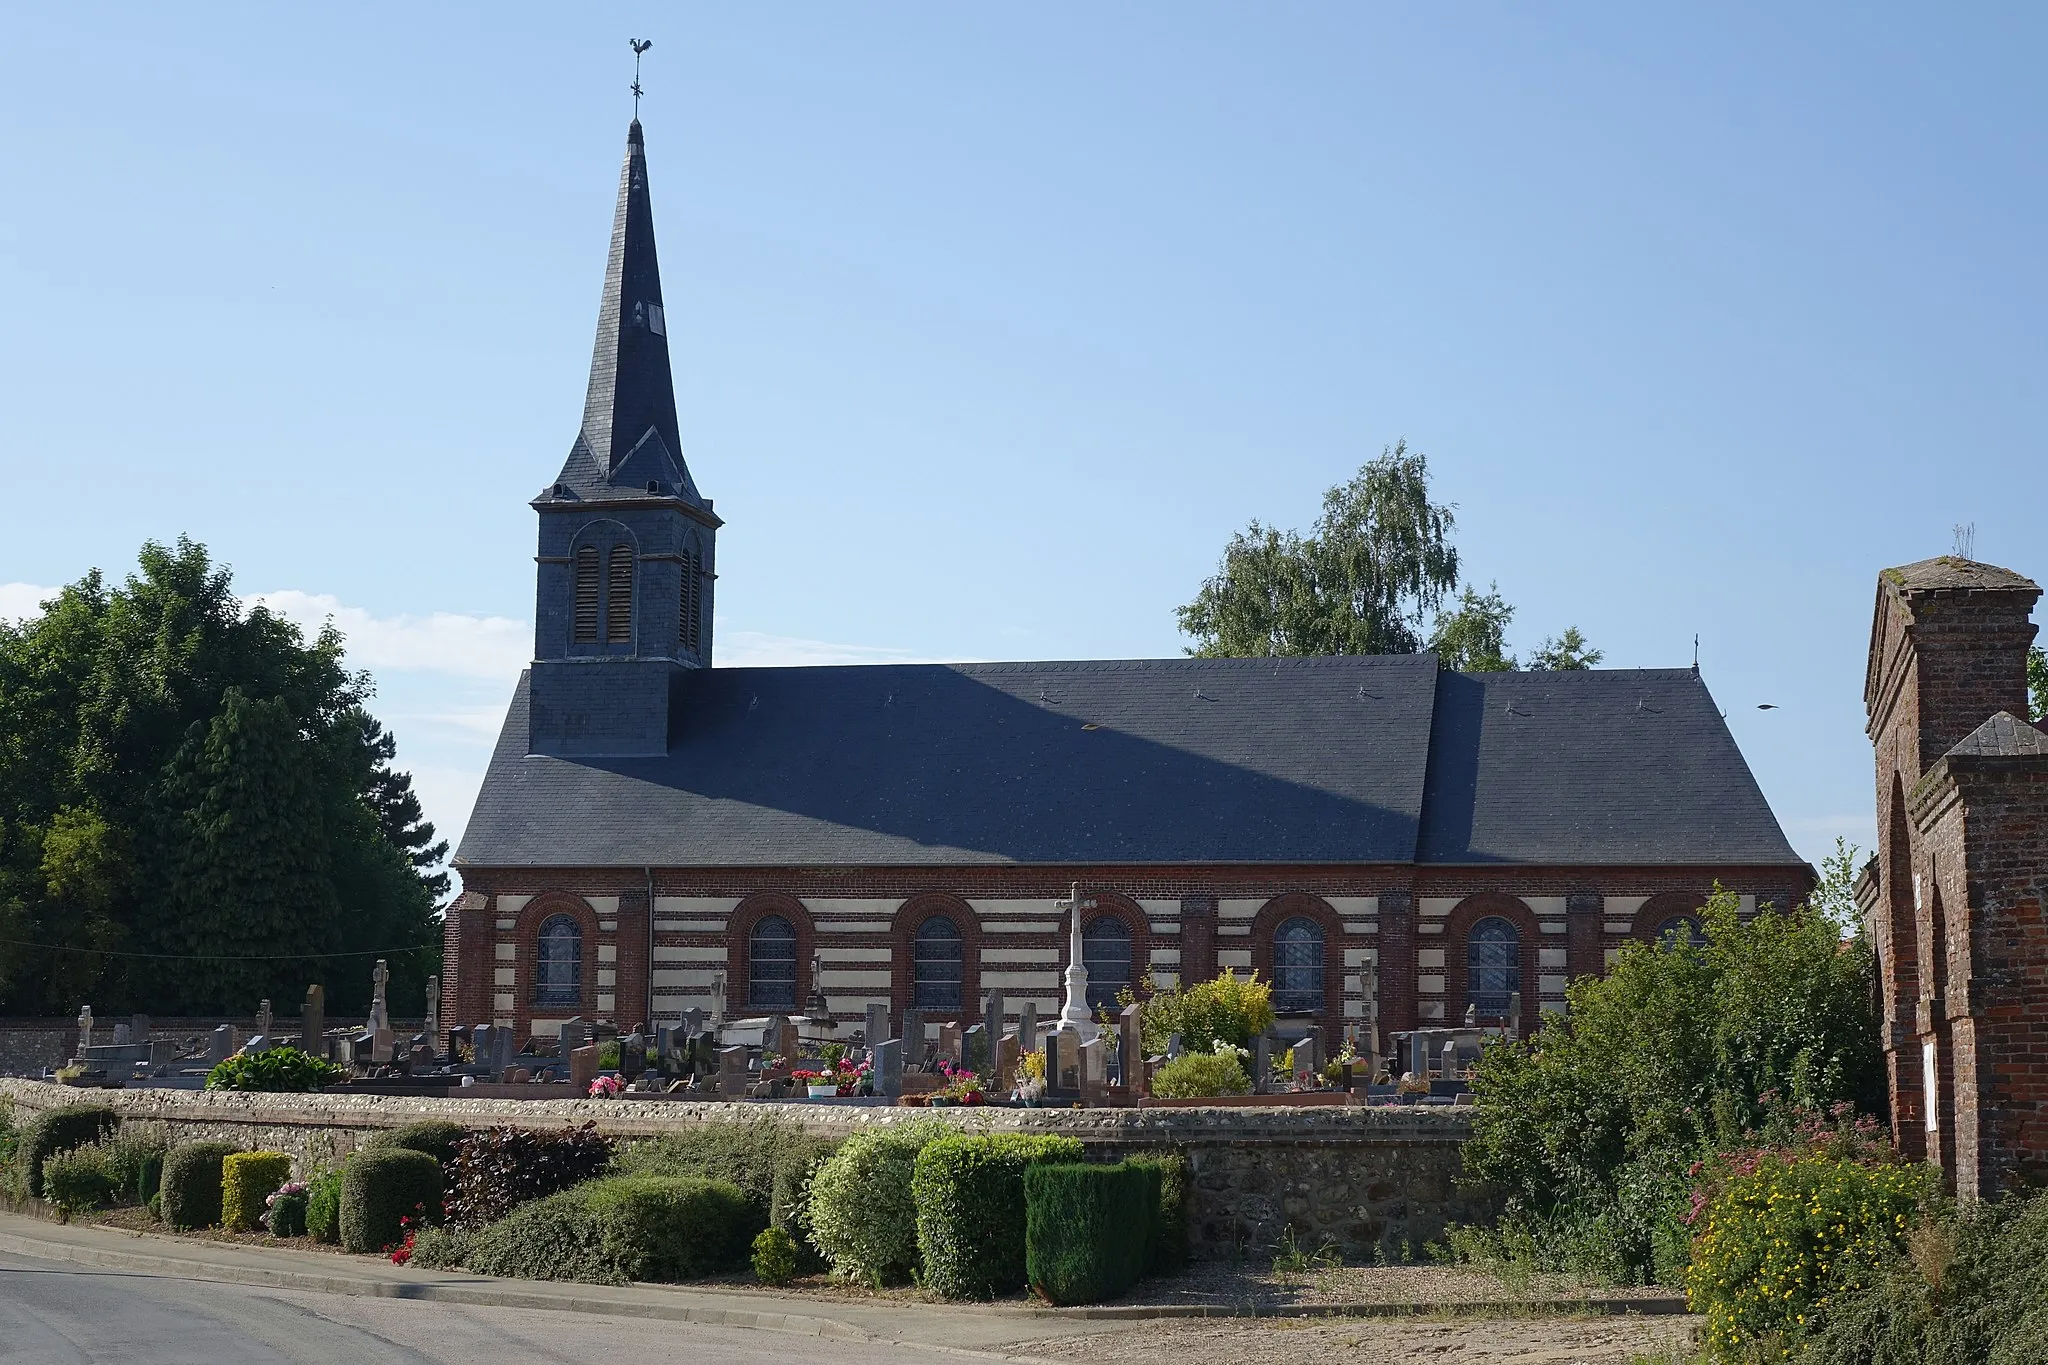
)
(629, 438)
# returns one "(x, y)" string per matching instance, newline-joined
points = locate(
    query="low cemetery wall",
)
(1376, 1181)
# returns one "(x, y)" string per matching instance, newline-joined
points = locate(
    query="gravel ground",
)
(1369, 1341)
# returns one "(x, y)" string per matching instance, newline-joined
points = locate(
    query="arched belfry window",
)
(618, 605)
(1106, 953)
(1493, 966)
(693, 599)
(1298, 967)
(558, 980)
(771, 964)
(587, 570)
(938, 962)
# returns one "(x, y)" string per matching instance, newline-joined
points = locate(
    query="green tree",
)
(1472, 638)
(1377, 564)
(1588, 1127)
(2037, 681)
(1567, 651)
(181, 776)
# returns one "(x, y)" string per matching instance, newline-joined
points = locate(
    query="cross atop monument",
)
(1075, 1016)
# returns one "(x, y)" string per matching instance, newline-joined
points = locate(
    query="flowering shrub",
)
(1781, 1232)
(284, 1211)
(606, 1087)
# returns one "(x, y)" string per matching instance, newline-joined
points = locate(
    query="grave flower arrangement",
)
(1030, 1077)
(846, 1078)
(962, 1086)
(606, 1087)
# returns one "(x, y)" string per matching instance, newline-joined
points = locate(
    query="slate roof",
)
(2003, 736)
(1335, 760)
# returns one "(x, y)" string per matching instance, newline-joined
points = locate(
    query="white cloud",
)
(18, 601)
(494, 647)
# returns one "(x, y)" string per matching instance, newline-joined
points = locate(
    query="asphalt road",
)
(57, 1314)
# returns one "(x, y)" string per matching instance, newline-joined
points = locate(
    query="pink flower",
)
(605, 1087)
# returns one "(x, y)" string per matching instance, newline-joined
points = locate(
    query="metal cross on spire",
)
(640, 46)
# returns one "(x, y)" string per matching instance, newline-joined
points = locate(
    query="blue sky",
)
(991, 325)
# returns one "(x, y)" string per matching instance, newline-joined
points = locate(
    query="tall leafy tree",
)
(2037, 681)
(1473, 636)
(183, 778)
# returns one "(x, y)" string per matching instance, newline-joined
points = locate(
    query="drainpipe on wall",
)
(649, 1015)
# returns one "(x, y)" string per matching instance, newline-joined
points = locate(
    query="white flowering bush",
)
(862, 1216)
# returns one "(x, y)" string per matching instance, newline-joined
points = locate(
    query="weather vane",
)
(640, 45)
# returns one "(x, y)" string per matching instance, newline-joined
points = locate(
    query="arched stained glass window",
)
(1493, 966)
(937, 965)
(771, 964)
(1682, 929)
(559, 978)
(1106, 953)
(1298, 967)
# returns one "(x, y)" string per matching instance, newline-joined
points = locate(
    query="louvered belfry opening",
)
(618, 606)
(693, 599)
(586, 595)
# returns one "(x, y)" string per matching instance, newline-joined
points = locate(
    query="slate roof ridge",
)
(2004, 735)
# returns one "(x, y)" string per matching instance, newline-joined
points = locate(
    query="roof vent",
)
(560, 490)
(653, 485)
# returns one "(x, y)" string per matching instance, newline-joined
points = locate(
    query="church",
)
(1389, 842)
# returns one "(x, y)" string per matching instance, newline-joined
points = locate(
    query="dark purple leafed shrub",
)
(498, 1169)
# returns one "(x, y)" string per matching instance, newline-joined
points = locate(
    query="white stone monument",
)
(1075, 1016)
(380, 1010)
(84, 1029)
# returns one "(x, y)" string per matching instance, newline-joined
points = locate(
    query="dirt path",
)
(1370, 1341)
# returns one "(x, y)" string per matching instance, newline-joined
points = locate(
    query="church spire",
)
(629, 438)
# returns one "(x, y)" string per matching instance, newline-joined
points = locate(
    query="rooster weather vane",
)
(640, 46)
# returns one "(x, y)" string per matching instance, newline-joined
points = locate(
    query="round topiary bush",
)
(438, 1138)
(191, 1184)
(383, 1189)
(58, 1130)
(774, 1256)
(1201, 1075)
(862, 1215)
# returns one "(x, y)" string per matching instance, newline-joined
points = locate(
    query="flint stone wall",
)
(1378, 1182)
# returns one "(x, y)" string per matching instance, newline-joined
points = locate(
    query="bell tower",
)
(628, 546)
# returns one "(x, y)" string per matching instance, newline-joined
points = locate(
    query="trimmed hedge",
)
(622, 1228)
(1170, 1227)
(58, 1130)
(1088, 1229)
(323, 1207)
(191, 1183)
(438, 1138)
(772, 1161)
(247, 1180)
(861, 1212)
(382, 1187)
(969, 1193)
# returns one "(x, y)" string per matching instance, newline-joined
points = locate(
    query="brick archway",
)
(902, 937)
(1457, 960)
(739, 947)
(1277, 912)
(1665, 905)
(526, 960)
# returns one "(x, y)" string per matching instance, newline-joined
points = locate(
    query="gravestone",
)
(1130, 1034)
(575, 1033)
(260, 1043)
(362, 1049)
(1007, 1053)
(732, 1072)
(888, 1068)
(603, 1031)
(122, 1035)
(632, 1056)
(692, 1022)
(949, 1043)
(138, 1028)
(1060, 1062)
(503, 1048)
(666, 1044)
(84, 1029)
(380, 1008)
(1174, 1047)
(1514, 1020)
(1308, 1053)
(974, 1050)
(482, 1041)
(788, 1043)
(704, 1054)
(226, 1039)
(313, 1020)
(583, 1068)
(433, 1028)
(1094, 1069)
(1027, 1027)
(264, 1021)
(992, 1014)
(1450, 1060)
(1471, 1016)
(1262, 1064)
(877, 1027)
(913, 1038)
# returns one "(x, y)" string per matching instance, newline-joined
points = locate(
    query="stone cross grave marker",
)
(1094, 1069)
(84, 1029)
(888, 1068)
(313, 1020)
(877, 1026)
(732, 1073)
(380, 1008)
(1027, 1026)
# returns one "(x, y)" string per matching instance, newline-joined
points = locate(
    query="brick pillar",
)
(467, 936)
(636, 916)
(1197, 939)
(1397, 963)
(1585, 924)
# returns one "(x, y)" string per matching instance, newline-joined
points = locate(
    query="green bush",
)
(191, 1183)
(57, 1130)
(77, 1180)
(1231, 1010)
(286, 1216)
(280, 1069)
(135, 1163)
(1967, 1292)
(498, 1169)
(1584, 1131)
(1170, 1227)
(619, 1229)
(774, 1256)
(438, 1138)
(1786, 1234)
(862, 1215)
(323, 1207)
(441, 1248)
(772, 1161)
(1200, 1075)
(10, 1139)
(384, 1189)
(969, 1196)
(247, 1179)
(1088, 1229)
